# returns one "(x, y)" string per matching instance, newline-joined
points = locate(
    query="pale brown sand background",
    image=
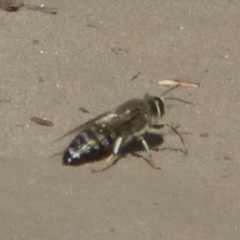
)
(85, 56)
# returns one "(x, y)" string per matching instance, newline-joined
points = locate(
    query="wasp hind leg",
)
(111, 160)
(149, 158)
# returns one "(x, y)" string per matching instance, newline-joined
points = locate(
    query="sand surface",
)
(96, 55)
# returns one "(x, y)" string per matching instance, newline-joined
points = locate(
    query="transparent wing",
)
(125, 120)
(102, 118)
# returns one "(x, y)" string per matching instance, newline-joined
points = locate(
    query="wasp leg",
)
(158, 127)
(149, 159)
(112, 158)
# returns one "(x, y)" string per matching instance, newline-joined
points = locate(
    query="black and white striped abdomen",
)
(89, 145)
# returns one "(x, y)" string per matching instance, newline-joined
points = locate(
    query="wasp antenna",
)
(179, 100)
(170, 89)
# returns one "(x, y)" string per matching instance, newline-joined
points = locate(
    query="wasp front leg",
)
(146, 147)
(156, 128)
(112, 158)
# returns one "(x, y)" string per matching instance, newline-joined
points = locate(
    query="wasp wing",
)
(123, 122)
(102, 118)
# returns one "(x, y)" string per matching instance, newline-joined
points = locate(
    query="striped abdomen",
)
(91, 144)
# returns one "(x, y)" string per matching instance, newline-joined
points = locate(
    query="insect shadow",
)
(135, 148)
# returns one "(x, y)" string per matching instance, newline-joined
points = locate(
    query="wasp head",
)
(157, 108)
